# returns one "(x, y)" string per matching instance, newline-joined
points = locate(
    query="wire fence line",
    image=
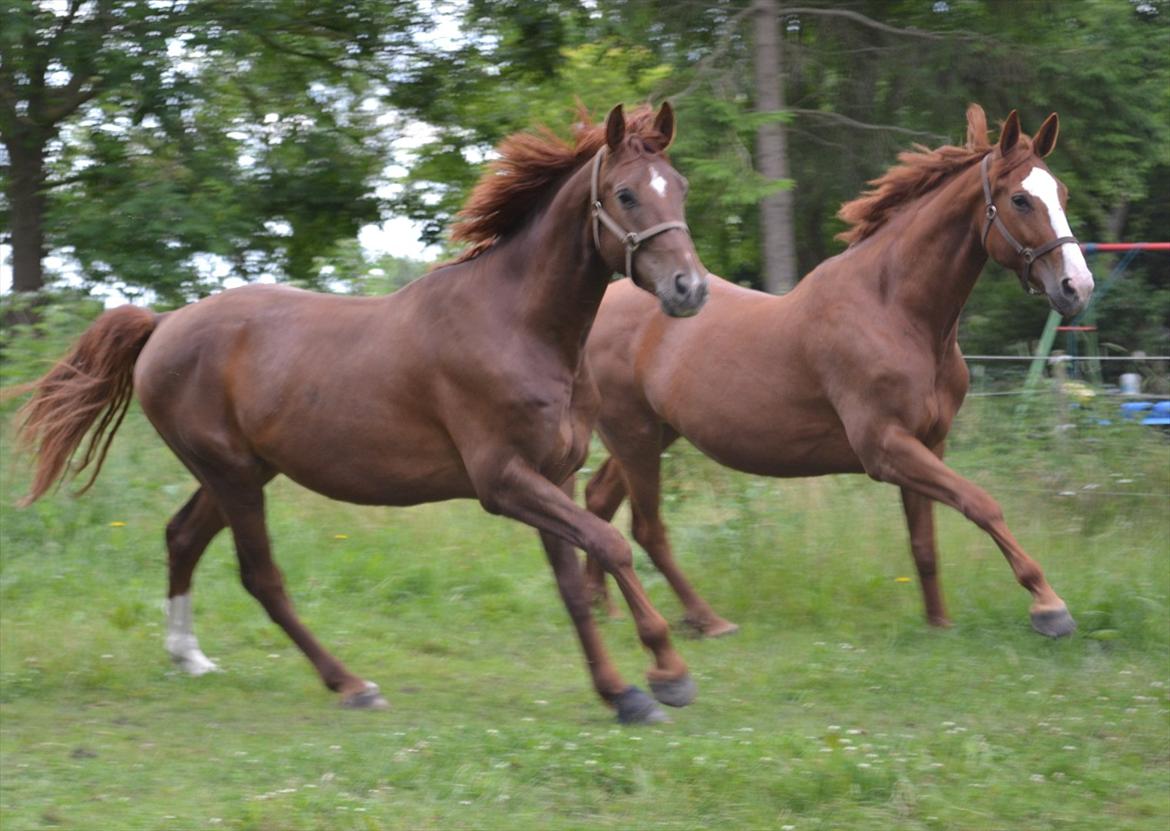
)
(1054, 357)
(981, 379)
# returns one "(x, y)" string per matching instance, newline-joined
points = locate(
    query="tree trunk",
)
(26, 201)
(776, 231)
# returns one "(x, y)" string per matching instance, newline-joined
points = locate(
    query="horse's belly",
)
(784, 444)
(768, 451)
(395, 470)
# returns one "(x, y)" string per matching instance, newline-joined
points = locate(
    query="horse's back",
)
(252, 335)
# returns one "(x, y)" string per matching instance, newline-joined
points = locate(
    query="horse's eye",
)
(626, 198)
(1021, 202)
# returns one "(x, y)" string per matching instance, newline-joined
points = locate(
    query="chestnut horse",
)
(469, 383)
(858, 369)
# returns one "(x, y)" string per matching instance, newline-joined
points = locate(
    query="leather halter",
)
(631, 239)
(1029, 255)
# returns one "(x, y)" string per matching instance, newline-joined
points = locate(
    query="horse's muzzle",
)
(1070, 295)
(683, 295)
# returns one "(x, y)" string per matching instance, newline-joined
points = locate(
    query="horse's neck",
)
(933, 255)
(563, 277)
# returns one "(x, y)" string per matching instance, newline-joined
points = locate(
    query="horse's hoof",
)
(368, 699)
(635, 707)
(1054, 623)
(712, 627)
(194, 663)
(676, 692)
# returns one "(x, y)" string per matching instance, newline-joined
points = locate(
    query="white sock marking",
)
(181, 642)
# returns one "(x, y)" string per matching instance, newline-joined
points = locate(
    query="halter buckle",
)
(631, 240)
(991, 213)
(1029, 255)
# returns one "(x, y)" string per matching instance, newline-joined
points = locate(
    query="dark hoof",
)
(635, 707)
(368, 699)
(678, 692)
(1055, 623)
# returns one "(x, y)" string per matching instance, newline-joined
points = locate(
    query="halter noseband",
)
(631, 239)
(1029, 255)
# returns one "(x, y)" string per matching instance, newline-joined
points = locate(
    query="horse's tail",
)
(93, 383)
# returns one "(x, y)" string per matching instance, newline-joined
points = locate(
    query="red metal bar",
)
(1090, 247)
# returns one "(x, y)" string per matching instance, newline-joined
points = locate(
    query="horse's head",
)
(1025, 203)
(639, 226)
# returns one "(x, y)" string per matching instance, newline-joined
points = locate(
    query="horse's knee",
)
(983, 511)
(612, 551)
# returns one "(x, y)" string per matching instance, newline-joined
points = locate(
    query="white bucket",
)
(1131, 384)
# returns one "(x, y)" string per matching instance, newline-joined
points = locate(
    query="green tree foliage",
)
(257, 132)
(144, 134)
(864, 79)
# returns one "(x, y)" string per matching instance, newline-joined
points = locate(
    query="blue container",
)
(1135, 409)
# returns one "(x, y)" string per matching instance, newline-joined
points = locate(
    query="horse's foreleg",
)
(633, 705)
(243, 508)
(188, 534)
(603, 497)
(896, 456)
(521, 493)
(920, 521)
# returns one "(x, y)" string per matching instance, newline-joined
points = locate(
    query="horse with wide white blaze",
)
(858, 369)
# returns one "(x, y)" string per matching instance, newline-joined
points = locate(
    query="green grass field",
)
(834, 708)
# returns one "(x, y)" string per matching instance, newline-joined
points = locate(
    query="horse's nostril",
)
(681, 284)
(1066, 285)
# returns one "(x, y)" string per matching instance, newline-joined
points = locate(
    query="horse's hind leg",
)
(188, 535)
(920, 520)
(603, 497)
(643, 469)
(242, 506)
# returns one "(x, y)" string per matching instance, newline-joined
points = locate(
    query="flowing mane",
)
(921, 171)
(531, 166)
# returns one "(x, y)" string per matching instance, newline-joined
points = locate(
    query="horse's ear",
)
(1010, 134)
(976, 127)
(1045, 138)
(615, 127)
(664, 124)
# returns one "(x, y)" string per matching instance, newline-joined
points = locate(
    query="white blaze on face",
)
(181, 643)
(657, 182)
(1042, 185)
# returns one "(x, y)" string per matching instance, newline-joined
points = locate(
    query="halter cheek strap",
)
(1029, 255)
(631, 239)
